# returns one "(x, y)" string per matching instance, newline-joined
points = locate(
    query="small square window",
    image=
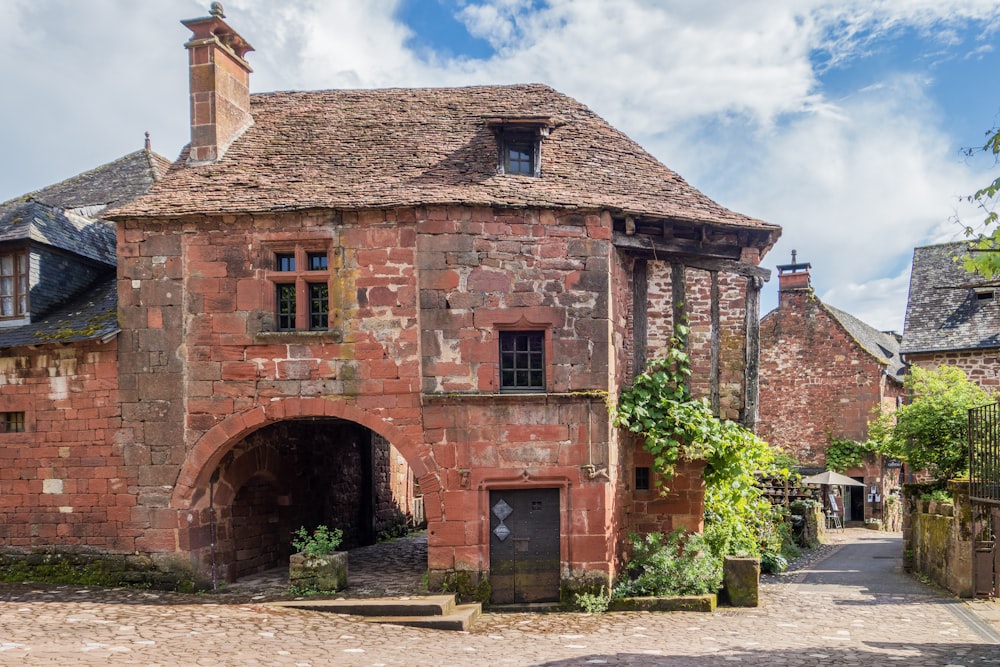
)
(11, 422)
(285, 261)
(642, 479)
(317, 261)
(519, 157)
(522, 361)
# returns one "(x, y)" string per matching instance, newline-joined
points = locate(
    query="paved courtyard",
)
(855, 607)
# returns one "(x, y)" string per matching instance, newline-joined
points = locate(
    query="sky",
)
(843, 121)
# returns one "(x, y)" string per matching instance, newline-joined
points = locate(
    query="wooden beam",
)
(689, 254)
(640, 316)
(751, 368)
(715, 349)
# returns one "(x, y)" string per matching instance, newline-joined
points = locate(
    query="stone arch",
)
(196, 471)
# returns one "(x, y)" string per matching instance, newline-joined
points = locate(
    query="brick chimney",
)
(220, 85)
(793, 277)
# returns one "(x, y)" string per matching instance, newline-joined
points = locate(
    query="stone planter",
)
(318, 573)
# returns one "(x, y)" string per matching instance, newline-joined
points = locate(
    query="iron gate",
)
(984, 492)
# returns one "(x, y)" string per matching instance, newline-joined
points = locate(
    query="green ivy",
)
(844, 453)
(659, 407)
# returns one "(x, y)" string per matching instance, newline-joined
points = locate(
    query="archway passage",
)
(307, 472)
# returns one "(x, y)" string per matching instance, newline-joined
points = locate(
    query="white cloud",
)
(726, 93)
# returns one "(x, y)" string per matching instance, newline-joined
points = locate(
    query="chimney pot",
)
(794, 276)
(219, 83)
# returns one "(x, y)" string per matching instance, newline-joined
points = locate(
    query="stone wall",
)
(64, 480)
(981, 366)
(816, 381)
(937, 537)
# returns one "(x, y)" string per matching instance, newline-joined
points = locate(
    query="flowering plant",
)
(320, 542)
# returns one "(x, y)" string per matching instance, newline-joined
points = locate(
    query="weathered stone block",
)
(319, 573)
(741, 578)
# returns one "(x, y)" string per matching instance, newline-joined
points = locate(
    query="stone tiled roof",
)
(93, 314)
(404, 147)
(943, 311)
(880, 344)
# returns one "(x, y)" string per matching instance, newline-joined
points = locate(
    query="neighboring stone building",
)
(451, 279)
(952, 316)
(823, 373)
(59, 409)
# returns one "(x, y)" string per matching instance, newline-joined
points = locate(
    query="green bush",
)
(939, 495)
(679, 564)
(320, 542)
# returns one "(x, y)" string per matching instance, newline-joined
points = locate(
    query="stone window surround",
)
(543, 320)
(21, 406)
(302, 277)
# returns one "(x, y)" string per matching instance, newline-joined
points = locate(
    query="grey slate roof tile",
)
(111, 184)
(66, 230)
(66, 215)
(942, 310)
(92, 315)
(880, 344)
(357, 149)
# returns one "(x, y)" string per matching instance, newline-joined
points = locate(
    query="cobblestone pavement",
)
(853, 608)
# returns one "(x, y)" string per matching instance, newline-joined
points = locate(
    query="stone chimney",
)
(220, 86)
(792, 277)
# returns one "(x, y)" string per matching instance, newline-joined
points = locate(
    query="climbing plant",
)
(660, 408)
(844, 453)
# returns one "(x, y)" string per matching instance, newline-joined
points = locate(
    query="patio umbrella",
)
(832, 478)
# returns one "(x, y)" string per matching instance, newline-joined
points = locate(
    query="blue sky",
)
(841, 120)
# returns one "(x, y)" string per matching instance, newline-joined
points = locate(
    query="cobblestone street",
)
(855, 607)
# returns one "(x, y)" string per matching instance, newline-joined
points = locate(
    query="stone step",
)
(461, 618)
(426, 605)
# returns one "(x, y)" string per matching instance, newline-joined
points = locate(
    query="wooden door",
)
(524, 546)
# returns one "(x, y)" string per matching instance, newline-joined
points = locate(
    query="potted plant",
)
(317, 565)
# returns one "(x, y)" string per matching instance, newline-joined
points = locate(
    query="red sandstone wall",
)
(63, 482)
(816, 382)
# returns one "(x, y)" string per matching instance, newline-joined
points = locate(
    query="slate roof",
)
(66, 216)
(64, 229)
(93, 314)
(880, 344)
(942, 311)
(354, 149)
(111, 184)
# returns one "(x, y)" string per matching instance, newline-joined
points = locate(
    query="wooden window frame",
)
(297, 260)
(21, 283)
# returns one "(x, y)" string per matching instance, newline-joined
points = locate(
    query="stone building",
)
(952, 316)
(823, 373)
(455, 280)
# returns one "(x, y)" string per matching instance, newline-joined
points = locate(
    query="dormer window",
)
(984, 293)
(519, 143)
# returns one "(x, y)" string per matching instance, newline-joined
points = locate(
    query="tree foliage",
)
(985, 256)
(931, 432)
